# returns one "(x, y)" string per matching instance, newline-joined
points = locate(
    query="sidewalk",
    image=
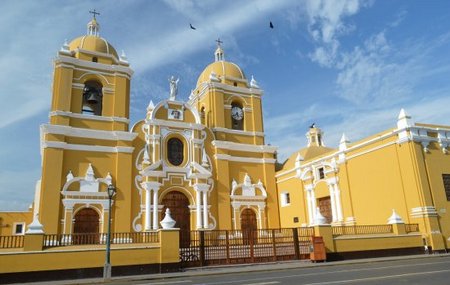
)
(235, 268)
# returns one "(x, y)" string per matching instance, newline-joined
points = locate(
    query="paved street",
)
(428, 271)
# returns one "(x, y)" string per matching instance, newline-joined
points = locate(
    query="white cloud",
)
(326, 25)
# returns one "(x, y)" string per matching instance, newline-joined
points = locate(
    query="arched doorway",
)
(178, 204)
(248, 226)
(85, 228)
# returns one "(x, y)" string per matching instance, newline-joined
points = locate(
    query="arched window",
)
(237, 116)
(92, 98)
(175, 151)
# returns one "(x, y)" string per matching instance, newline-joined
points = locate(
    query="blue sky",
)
(349, 66)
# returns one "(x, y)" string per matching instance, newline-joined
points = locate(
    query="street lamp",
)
(107, 268)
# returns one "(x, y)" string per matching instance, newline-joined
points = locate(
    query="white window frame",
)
(14, 233)
(284, 197)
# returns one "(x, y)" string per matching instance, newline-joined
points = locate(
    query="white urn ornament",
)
(168, 222)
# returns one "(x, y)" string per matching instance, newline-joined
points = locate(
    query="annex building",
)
(207, 161)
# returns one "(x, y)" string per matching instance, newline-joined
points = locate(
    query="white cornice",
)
(243, 159)
(61, 60)
(88, 133)
(244, 147)
(81, 147)
(237, 132)
(175, 124)
(89, 117)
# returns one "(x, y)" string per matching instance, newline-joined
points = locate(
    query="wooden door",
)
(178, 204)
(325, 209)
(248, 226)
(86, 227)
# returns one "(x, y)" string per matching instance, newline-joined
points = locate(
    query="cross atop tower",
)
(219, 51)
(94, 13)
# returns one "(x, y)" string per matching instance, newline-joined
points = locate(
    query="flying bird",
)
(312, 126)
(192, 27)
(271, 25)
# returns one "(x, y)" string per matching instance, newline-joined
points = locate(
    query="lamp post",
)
(107, 267)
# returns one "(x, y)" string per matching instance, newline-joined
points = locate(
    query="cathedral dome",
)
(92, 41)
(221, 69)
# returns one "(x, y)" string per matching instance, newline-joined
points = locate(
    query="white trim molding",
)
(81, 147)
(89, 117)
(427, 211)
(238, 132)
(244, 147)
(244, 159)
(88, 133)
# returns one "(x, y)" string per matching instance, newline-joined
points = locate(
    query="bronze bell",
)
(92, 97)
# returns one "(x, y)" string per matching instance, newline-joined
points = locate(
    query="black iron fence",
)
(199, 248)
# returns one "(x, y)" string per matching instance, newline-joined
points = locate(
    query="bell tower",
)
(228, 103)
(87, 134)
(230, 106)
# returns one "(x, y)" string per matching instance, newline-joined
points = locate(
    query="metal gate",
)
(235, 246)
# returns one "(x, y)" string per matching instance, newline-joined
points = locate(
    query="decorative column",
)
(310, 203)
(337, 194)
(202, 188)
(199, 209)
(333, 202)
(205, 209)
(149, 186)
(155, 208)
(148, 221)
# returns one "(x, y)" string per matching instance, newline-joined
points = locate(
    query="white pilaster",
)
(199, 216)
(155, 208)
(148, 221)
(337, 194)
(205, 209)
(333, 202)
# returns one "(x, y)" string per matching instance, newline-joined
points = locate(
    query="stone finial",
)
(168, 222)
(123, 57)
(69, 176)
(233, 184)
(404, 120)
(35, 227)
(319, 219)
(90, 176)
(395, 218)
(253, 83)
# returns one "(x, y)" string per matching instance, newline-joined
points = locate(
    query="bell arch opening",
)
(92, 98)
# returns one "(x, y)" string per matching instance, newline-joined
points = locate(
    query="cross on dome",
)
(219, 51)
(93, 27)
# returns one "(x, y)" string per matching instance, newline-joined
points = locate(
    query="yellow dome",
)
(221, 69)
(93, 43)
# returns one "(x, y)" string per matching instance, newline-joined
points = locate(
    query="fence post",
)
(202, 248)
(296, 244)
(274, 245)
(227, 246)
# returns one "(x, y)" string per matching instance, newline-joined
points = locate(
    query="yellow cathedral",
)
(207, 161)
